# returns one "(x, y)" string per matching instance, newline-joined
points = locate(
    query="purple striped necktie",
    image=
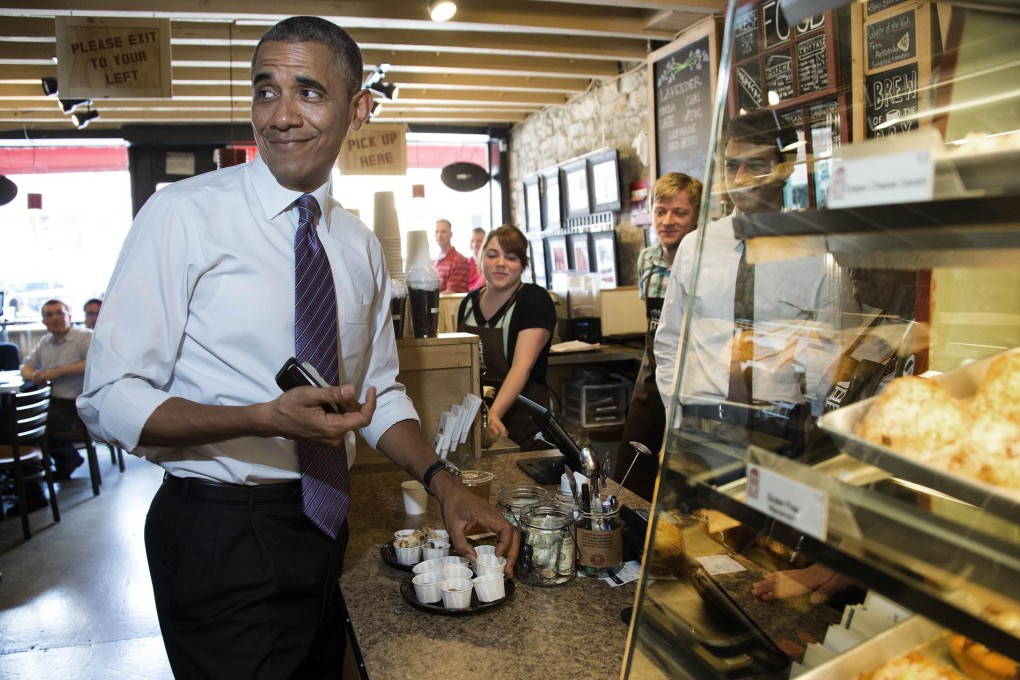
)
(325, 496)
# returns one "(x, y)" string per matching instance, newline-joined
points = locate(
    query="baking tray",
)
(916, 633)
(961, 383)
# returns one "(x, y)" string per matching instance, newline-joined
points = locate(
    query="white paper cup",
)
(408, 533)
(455, 560)
(439, 535)
(408, 555)
(416, 498)
(426, 587)
(450, 571)
(483, 550)
(427, 566)
(456, 593)
(489, 564)
(441, 549)
(490, 587)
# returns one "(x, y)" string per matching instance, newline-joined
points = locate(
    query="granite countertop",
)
(568, 631)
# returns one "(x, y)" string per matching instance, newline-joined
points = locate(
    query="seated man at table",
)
(59, 358)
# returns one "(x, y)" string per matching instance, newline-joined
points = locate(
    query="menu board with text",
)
(682, 92)
(897, 62)
(795, 71)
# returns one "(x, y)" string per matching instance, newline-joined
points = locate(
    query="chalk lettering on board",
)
(683, 84)
(779, 76)
(875, 6)
(746, 32)
(749, 85)
(892, 102)
(892, 40)
(812, 64)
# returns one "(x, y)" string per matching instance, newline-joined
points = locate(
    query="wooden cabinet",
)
(437, 373)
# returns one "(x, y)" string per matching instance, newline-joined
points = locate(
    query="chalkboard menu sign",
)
(792, 69)
(891, 101)
(876, 6)
(813, 64)
(892, 40)
(896, 53)
(682, 83)
(776, 63)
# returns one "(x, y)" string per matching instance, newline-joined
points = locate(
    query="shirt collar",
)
(275, 198)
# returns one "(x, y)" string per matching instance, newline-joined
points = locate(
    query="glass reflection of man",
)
(746, 374)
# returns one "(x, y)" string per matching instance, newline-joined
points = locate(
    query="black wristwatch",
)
(440, 464)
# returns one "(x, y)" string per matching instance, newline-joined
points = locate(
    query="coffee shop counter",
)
(568, 631)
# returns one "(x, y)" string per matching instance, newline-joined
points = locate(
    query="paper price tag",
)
(798, 504)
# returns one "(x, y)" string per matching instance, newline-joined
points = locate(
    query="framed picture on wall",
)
(604, 181)
(552, 206)
(533, 203)
(604, 245)
(559, 258)
(579, 253)
(537, 265)
(575, 188)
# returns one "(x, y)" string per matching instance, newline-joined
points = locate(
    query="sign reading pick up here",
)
(113, 58)
(375, 149)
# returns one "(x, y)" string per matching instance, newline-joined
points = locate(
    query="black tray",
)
(477, 607)
(389, 556)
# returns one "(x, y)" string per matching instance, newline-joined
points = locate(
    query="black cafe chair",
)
(25, 448)
(10, 356)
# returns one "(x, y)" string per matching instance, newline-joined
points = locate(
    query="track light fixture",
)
(375, 109)
(375, 76)
(442, 10)
(81, 119)
(386, 90)
(69, 105)
(49, 86)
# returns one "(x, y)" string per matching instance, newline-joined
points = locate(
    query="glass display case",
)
(840, 483)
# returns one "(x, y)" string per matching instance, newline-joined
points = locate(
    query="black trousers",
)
(245, 590)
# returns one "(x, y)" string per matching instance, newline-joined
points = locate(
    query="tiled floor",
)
(75, 600)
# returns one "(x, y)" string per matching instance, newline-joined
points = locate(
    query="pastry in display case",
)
(839, 492)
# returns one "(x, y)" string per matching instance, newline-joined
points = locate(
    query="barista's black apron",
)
(495, 367)
(646, 416)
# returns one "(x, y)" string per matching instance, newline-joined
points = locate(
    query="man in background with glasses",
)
(747, 369)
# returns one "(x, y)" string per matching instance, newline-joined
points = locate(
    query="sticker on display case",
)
(888, 179)
(800, 505)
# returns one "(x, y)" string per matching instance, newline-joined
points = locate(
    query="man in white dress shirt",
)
(750, 375)
(198, 318)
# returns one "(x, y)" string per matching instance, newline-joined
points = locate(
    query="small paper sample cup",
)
(426, 587)
(489, 564)
(456, 560)
(485, 550)
(450, 571)
(428, 565)
(490, 587)
(456, 593)
(408, 533)
(408, 555)
(438, 535)
(438, 549)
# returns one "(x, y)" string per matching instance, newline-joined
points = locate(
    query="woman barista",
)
(676, 200)
(514, 321)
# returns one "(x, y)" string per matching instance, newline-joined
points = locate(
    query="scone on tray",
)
(914, 416)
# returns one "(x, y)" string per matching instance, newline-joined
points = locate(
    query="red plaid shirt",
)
(454, 272)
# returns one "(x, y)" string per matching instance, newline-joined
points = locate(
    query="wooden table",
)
(568, 631)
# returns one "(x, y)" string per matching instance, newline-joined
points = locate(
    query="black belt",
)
(201, 490)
